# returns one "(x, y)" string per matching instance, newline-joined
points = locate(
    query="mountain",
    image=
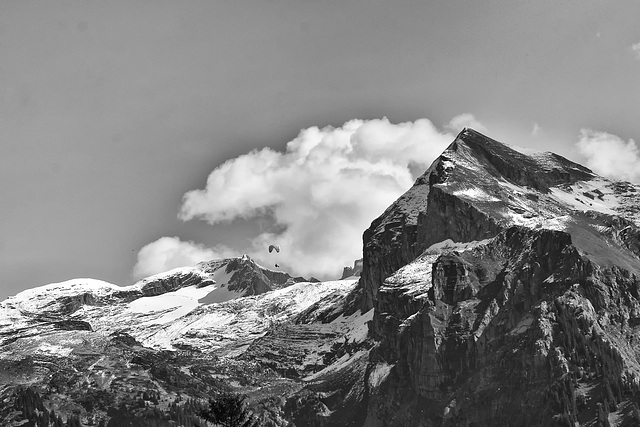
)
(502, 289)
(505, 292)
(88, 348)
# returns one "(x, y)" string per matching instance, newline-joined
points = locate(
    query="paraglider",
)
(276, 248)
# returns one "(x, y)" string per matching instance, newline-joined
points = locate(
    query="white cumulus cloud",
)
(610, 155)
(465, 120)
(323, 191)
(167, 253)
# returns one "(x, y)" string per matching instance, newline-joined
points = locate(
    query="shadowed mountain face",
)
(502, 289)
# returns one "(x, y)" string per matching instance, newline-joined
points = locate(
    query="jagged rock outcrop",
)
(503, 286)
(356, 270)
(432, 210)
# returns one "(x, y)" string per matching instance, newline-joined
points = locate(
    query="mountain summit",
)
(502, 289)
(479, 186)
(504, 286)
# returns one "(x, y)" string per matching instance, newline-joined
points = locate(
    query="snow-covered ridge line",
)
(206, 273)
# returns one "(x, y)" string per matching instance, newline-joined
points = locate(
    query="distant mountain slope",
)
(94, 351)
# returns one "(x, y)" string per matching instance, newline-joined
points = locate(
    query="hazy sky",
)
(127, 128)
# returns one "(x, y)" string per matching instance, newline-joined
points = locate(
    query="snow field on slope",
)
(475, 193)
(176, 304)
(415, 277)
(351, 329)
(244, 318)
(180, 271)
(533, 209)
(599, 197)
(342, 363)
(36, 298)
(450, 245)
(184, 300)
(355, 327)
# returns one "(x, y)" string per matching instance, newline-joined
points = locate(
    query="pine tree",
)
(228, 410)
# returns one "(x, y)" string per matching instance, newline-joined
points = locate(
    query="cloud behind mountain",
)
(610, 155)
(320, 193)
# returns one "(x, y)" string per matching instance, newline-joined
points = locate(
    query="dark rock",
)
(72, 325)
(356, 270)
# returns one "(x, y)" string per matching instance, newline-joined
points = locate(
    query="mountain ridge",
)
(502, 289)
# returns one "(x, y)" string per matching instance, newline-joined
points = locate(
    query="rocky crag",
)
(504, 290)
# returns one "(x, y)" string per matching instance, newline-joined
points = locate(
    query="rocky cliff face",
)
(504, 290)
(356, 270)
(462, 196)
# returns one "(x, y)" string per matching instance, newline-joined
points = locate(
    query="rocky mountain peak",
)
(479, 186)
(491, 242)
(523, 167)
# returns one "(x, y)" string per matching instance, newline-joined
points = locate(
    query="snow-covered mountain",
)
(94, 334)
(190, 307)
(502, 289)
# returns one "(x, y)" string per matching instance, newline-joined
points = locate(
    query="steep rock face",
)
(449, 217)
(356, 270)
(445, 336)
(516, 331)
(453, 279)
(249, 278)
(445, 203)
(506, 295)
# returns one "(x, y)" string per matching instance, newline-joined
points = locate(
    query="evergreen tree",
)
(228, 410)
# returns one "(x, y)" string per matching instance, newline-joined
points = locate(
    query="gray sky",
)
(110, 112)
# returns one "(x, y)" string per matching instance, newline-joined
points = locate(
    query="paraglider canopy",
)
(274, 247)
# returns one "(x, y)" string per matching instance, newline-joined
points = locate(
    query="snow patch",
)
(450, 245)
(356, 325)
(379, 373)
(180, 302)
(340, 364)
(476, 194)
(593, 195)
(180, 271)
(53, 349)
(68, 287)
(220, 294)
